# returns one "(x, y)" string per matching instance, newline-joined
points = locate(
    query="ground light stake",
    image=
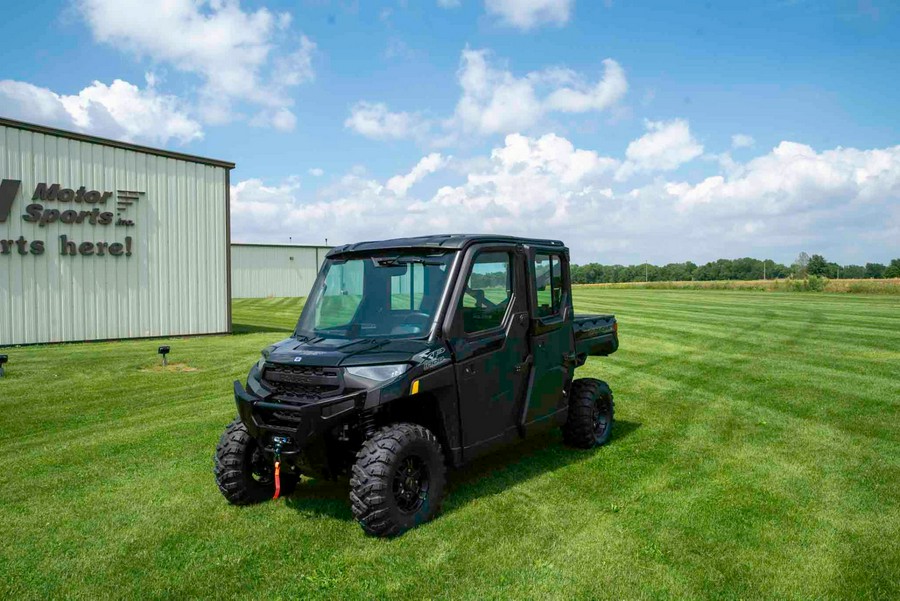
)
(163, 350)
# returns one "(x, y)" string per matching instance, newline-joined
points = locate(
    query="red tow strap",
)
(277, 479)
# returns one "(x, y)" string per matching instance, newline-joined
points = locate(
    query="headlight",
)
(378, 372)
(265, 357)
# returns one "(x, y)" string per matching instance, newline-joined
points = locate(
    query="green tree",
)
(875, 270)
(853, 272)
(745, 268)
(817, 265)
(778, 270)
(893, 270)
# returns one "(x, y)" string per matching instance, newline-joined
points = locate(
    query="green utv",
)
(411, 355)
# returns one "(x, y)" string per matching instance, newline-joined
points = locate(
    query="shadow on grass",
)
(494, 473)
(489, 475)
(245, 328)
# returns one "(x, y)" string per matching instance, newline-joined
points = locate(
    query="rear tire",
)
(243, 472)
(398, 480)
(590, 420)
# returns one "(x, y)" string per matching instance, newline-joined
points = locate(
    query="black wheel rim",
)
(411, 484)
(261, 470)
(601, 419)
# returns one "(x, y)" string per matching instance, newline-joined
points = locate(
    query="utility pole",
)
(646, 272)
(764, 269)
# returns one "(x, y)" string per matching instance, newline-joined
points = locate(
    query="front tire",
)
(590, 419)
(243, 472)
(398, 480)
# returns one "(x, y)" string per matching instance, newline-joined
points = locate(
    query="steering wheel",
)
(481, 300)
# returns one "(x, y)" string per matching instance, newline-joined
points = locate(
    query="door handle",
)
(468, 370)
(523, 364)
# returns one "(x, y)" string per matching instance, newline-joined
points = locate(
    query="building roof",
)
(52, 131)
(440, 241)
(264, 244)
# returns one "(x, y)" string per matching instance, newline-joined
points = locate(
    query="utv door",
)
(489, 330)
(552, 340)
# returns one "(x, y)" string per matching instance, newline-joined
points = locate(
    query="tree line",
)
(732, 269)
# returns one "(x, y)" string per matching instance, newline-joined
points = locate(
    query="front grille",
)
(303, 383)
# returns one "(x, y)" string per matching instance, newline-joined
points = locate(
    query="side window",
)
(488, 292)
(548, 284)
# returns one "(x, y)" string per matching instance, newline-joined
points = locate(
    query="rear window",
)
(547, 284)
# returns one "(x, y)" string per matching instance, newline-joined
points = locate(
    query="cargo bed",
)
(595, 336)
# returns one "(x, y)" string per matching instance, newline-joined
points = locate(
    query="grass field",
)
(756, 455)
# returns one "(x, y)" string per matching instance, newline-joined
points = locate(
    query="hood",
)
(334, 352)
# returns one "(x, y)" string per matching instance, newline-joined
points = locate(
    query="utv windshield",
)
(385, 296)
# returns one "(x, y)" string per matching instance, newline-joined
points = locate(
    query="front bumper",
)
(296, 425)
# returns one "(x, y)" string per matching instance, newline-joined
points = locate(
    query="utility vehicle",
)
(411, 355)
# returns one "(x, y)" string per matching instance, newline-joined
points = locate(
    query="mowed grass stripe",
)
(882, 315)
(749, 358)
(851, 355)
(755, 455)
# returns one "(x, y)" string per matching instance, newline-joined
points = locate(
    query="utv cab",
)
(411, 355)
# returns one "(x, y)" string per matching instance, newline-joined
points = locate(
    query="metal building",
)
(274, 270)
(102, 239)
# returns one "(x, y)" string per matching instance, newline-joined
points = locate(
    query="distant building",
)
(274, 270)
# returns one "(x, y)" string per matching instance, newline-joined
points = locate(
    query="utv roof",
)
(439, 241)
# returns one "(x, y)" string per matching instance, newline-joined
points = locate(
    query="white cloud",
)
(495, 101)
(119, 110)
(352, 209)
(742, 141)
(794, 177)
(374, 120)
(400, 184)
(844, 203)
(296, 67)
(525, 186)
(281, 119)
(528, 14)
(448, 3)
(28, 102)
(398, 49)
(529, 184)
(582, 97)
(241, 56)
(666, 146)
(317, 172)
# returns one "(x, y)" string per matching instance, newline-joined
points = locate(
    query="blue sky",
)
(634, 131)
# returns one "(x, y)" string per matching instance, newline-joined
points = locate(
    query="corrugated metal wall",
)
(175, 281)
(261, 271)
